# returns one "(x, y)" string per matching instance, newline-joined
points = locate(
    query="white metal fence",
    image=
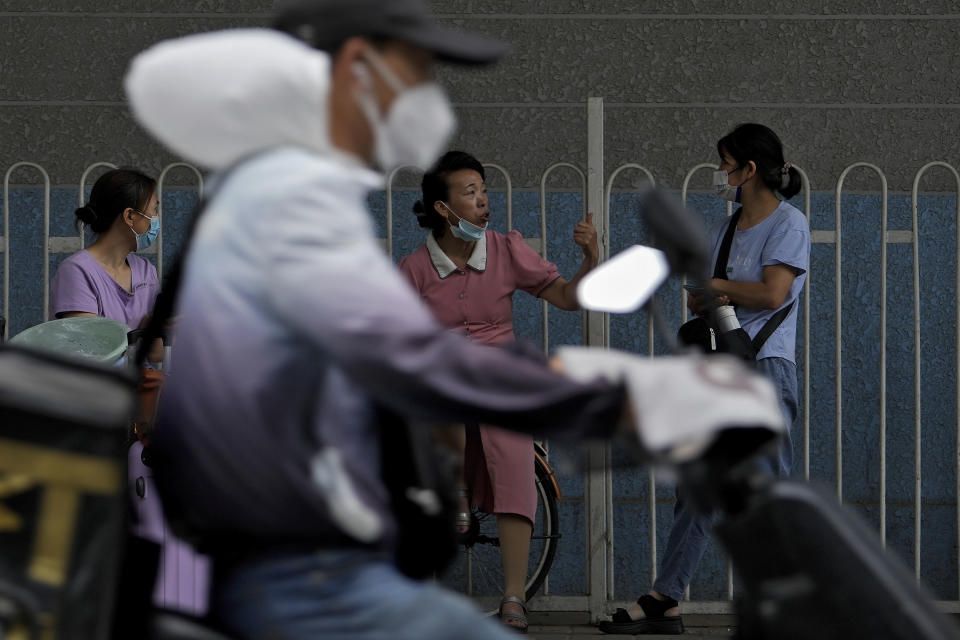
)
(68, 244)
(597, 191)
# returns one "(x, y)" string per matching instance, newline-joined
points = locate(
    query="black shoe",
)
(654, 622)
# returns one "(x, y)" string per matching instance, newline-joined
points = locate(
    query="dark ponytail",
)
(434, 187)
(760, 144)
(790, 181)
(112, 193)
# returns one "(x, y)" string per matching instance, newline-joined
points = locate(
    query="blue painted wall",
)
(861, 352)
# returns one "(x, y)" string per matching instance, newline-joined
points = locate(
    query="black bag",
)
(421, 479)
(62, 493)
(701, 333)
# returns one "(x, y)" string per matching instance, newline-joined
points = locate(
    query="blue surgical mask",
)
(144, 240)
(466, 231)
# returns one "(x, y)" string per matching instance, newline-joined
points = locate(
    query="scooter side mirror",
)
(625, 282)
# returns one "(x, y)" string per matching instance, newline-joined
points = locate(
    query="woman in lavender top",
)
(108, 279)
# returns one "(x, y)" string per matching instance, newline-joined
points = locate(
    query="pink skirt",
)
(499, 471)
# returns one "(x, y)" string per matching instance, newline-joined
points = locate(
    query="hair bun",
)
(86, 214)
(424, 219)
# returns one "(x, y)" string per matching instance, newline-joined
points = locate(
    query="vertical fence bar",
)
(605, 250)
(608, 191)
(543, 227)
(806, 337)
(6, 239)
(683, 202)
(917, 414)
(837, 354)
(883, 343)
(389, 205)
(594, 325)
(160, 180)
(599, 481)
(683, 310)
(606, 241)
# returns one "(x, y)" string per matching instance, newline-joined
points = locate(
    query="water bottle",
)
(726, 318)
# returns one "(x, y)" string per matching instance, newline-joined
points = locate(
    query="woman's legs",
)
(500, 473)
(688, 537)
(515, 534)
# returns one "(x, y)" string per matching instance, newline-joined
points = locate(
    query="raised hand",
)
(585, 236)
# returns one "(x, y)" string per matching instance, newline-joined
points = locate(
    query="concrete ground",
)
(576, 626)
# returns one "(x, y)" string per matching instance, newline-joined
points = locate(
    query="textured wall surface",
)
(868, 81)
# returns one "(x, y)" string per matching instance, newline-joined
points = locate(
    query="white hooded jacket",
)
(215, 98)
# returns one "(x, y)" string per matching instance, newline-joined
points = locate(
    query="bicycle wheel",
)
(483, 572)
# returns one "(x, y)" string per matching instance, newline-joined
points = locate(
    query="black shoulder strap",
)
(720, 268)
(720, 271)
(770, 326)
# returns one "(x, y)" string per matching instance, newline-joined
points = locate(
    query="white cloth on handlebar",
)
(681, 404)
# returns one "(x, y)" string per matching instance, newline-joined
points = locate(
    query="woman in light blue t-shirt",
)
(769, 255)
(766, 269)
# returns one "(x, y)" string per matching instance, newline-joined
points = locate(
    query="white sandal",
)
(508, 616)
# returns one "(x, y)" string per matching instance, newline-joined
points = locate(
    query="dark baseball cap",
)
(325, 24)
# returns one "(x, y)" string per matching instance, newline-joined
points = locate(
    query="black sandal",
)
(654, 622)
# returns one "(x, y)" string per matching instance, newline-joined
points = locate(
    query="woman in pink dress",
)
(467, 274)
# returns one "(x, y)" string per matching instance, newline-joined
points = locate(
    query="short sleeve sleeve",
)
(71, 290)
(406, 268)
(152, 281)
(789, 245)
(145, 273)
(531, 272)
(152, 277)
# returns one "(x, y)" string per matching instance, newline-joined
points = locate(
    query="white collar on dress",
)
(445, 266)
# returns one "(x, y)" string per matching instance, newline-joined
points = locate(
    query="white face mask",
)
(418, 126)
(725, 190)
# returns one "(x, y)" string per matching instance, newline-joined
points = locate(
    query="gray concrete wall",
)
(873, 80)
